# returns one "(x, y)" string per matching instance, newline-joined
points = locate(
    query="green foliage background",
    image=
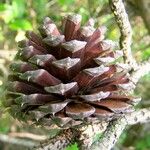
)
(17, 16)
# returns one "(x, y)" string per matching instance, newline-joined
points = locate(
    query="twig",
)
(88, 133)
(121, 16)
(28, 135)
(115, 128)
(64, 138)
(143, 69)
(139, 116)
(82, 135)
(16, 141)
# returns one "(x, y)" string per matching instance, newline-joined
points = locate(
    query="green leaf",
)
(6, 12)
(72, 147)
(143, 143)
(3, 7)
(41, 13)
(146, 54)
(20, 24)
(5, 123)
(18, 8)
(66, 2)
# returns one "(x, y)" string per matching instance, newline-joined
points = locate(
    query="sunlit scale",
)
(68, 77)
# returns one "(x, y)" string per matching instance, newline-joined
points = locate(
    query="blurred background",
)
(17, 16)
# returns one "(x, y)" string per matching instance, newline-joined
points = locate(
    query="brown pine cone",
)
(69, 77)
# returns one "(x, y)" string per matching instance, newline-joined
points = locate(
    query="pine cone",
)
(67, 78)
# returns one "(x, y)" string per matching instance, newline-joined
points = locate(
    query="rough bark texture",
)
(83, 135)
(88, 133)
(115, 128)
(142, 70)
(121, 16)
(16, 141)
(63, 139)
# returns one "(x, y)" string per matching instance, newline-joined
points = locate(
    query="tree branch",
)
(28, 135)
(84, 136)
(122, 20)
(16, 141)
(115, 128)
(142, 70)
(64, 138)
(90, 132)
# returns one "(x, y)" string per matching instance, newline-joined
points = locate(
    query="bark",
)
(115, 128)
(122, 20)
(16, 141)
(143, 69)
(63, 139)
(84, 136)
